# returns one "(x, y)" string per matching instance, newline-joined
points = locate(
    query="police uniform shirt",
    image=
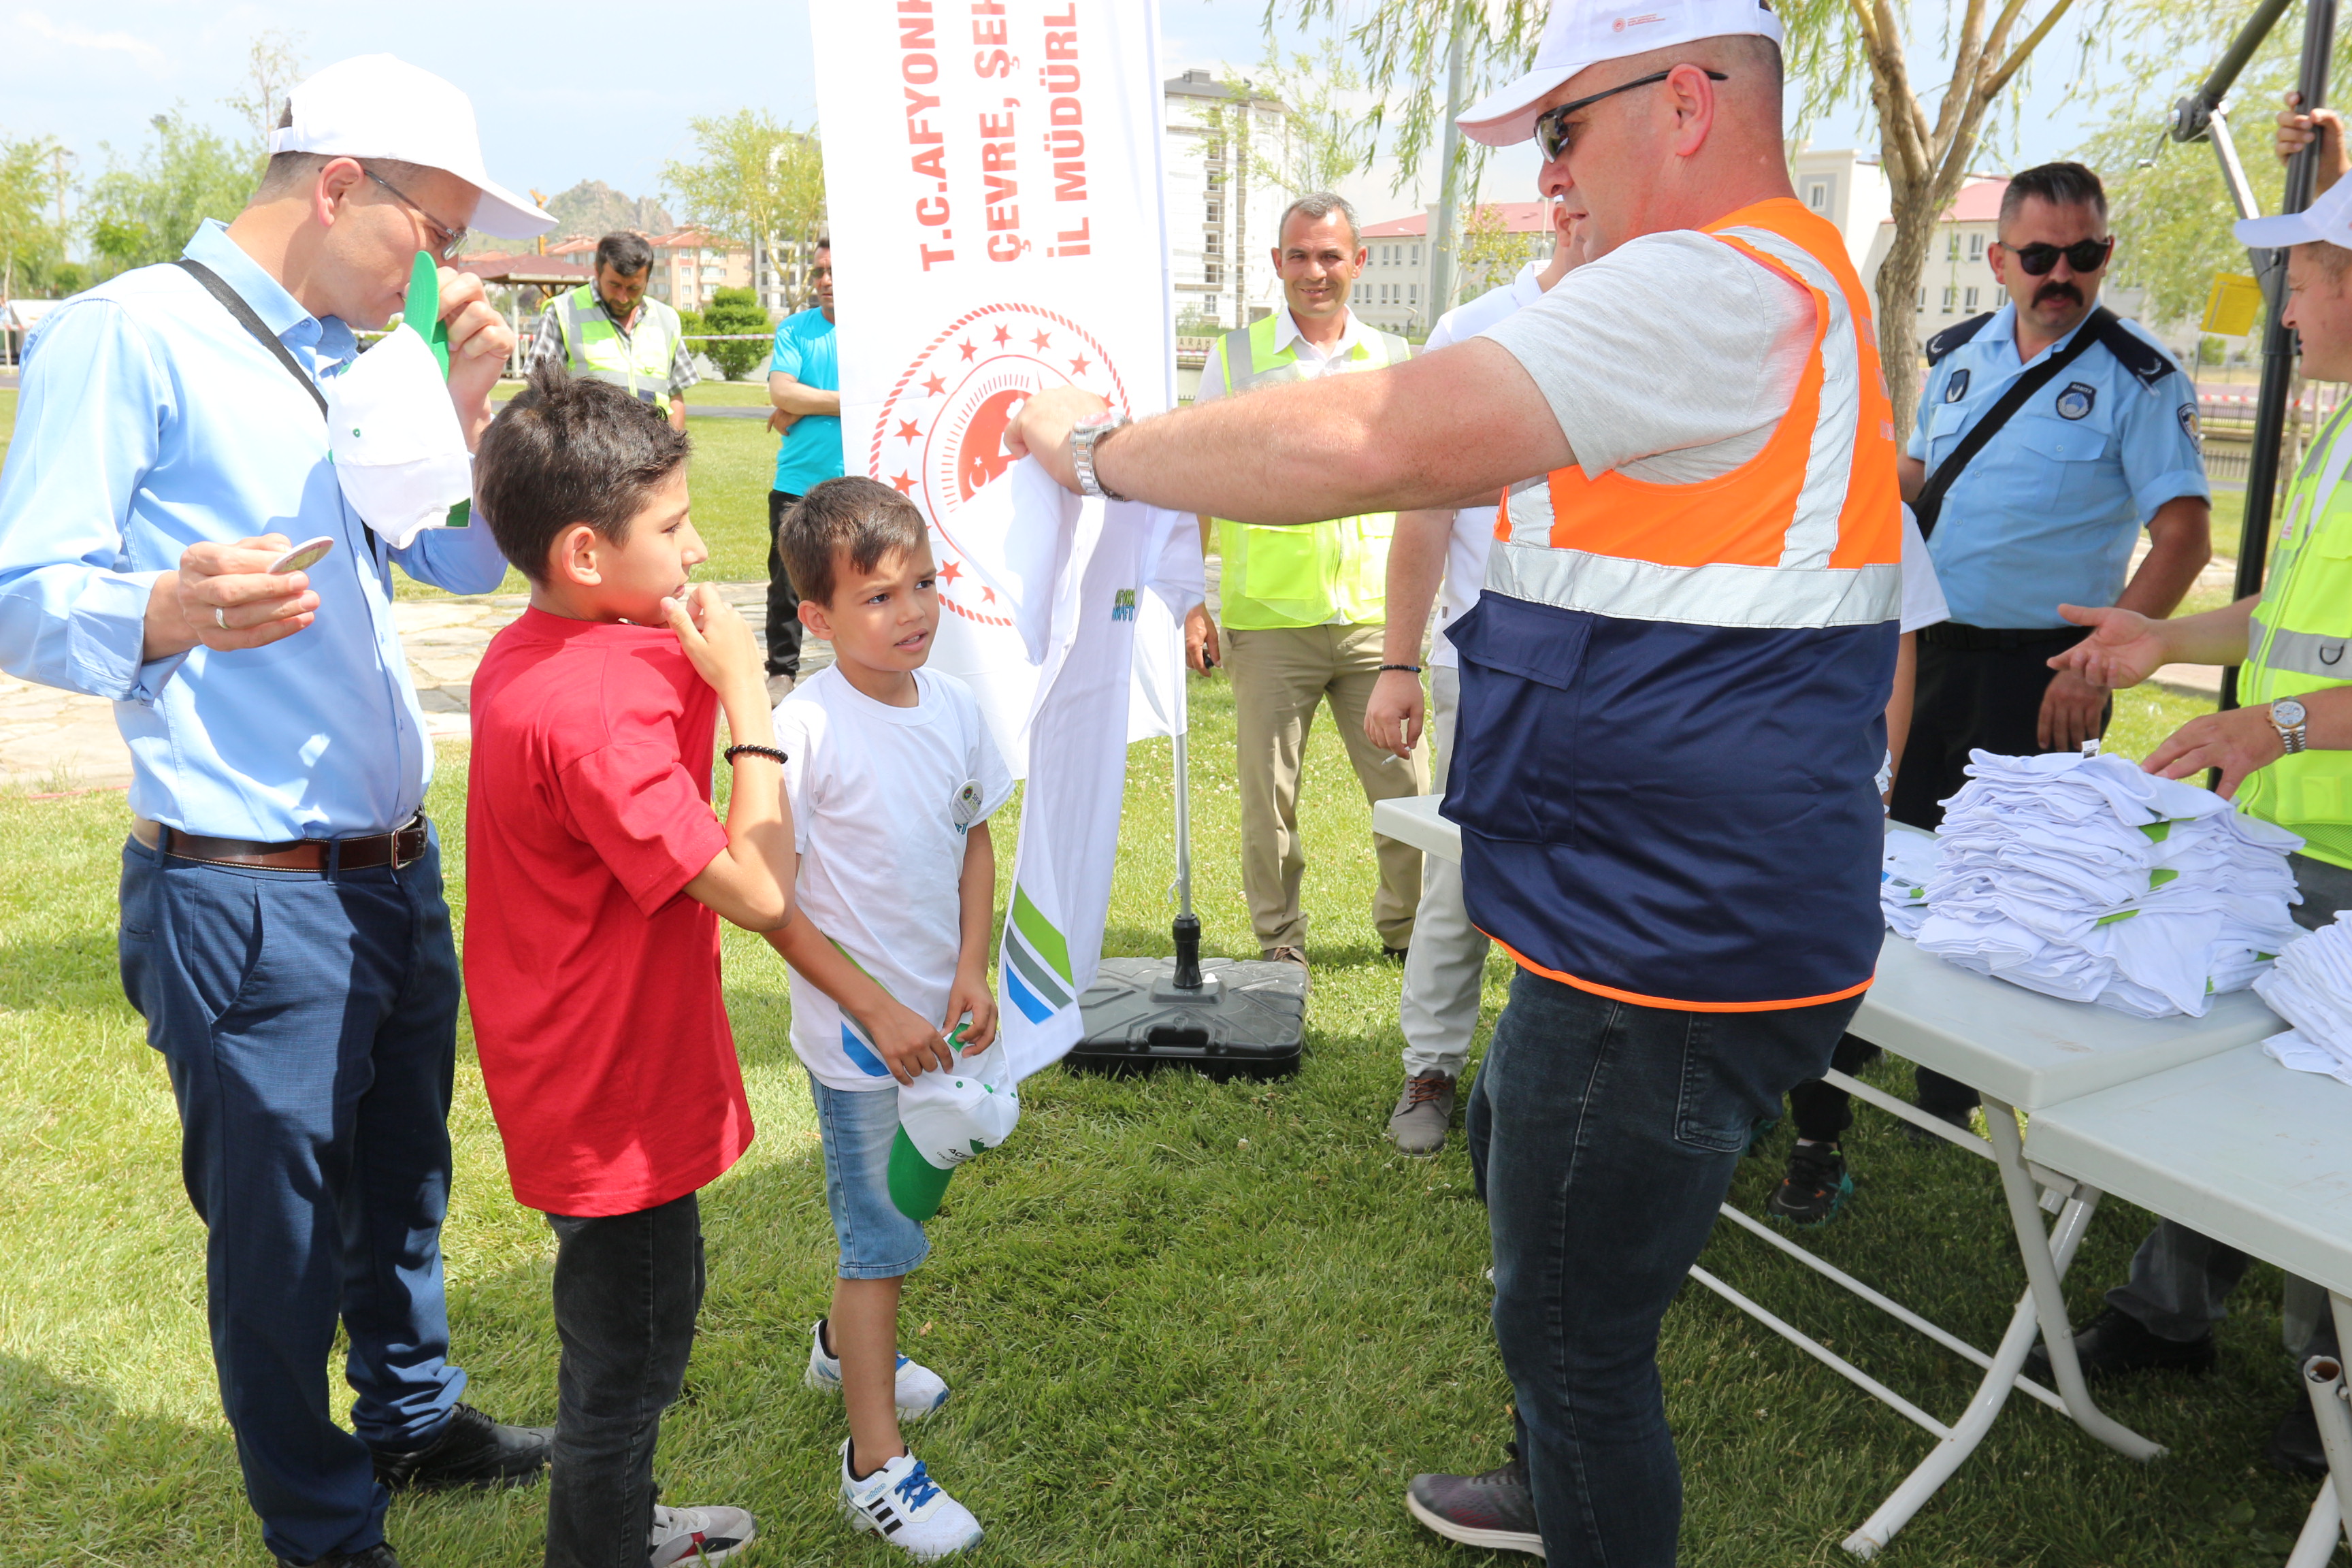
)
(2047, 512)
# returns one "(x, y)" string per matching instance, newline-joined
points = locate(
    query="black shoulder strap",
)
(234, 303)
(1950, 338)
(2148, 364)
(1931, 494)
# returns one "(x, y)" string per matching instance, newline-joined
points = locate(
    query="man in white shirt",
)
(1303, 606)
(1441, 976)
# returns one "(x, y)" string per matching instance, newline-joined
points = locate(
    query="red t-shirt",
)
(594, 979)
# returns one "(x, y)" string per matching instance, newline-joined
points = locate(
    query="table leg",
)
(1992, 1393)
(2324, 1379)
(2316, 1545)
(2041, 1274)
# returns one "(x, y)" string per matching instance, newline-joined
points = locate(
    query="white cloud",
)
(117, 42)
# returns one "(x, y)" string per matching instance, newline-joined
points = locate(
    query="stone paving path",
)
(52, 740)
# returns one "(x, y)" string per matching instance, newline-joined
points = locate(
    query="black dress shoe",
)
(2295, 1444)
(380, 1556)
(2115, 1343)
(471, 1451)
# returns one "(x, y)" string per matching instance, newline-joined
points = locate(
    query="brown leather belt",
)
(395, 848)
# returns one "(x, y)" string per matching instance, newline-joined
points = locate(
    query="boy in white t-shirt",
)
(892, 778)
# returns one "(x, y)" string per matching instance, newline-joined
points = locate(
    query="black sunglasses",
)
(2083, 256)
(1553, 133)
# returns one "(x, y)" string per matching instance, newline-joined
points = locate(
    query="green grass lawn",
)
(1186, 1322)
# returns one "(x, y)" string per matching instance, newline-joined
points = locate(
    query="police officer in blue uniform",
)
(2044, 512)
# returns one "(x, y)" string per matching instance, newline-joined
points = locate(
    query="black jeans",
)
(784, 600)
(628, 1288)
(1970, 696)
(1610, 1132)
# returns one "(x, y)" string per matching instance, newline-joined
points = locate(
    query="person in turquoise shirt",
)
(805, 383)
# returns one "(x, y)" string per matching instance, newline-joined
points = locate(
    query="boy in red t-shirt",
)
(596, 876)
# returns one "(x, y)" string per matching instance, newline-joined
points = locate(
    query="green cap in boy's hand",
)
(944, 1119)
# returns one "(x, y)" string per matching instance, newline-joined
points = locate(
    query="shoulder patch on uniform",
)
(2190, 427)
(1955, 386)
(1950, 338)
(2148, 363)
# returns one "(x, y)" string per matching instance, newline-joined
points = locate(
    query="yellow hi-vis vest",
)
(2301, 641)
(639, 363)
(1310, 574)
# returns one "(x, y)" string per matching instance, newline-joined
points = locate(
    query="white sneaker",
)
(697, 1535)
(920, 1390)
(901, 1503)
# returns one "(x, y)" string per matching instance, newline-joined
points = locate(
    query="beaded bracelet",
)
(775, 751)
(1406, 668)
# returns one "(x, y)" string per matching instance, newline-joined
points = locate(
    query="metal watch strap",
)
(1084, 437)
(2294, 737)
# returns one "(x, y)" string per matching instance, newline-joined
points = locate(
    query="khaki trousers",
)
(1279, 677)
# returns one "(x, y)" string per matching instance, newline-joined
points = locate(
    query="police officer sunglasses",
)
(446, 238)
(1554, 134)
(2083, 256)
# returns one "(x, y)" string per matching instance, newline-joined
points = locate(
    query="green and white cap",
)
(944, 1119)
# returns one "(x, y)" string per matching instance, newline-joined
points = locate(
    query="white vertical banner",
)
(993, 182)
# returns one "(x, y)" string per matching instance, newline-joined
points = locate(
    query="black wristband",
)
(1406, 668)
(775, 751)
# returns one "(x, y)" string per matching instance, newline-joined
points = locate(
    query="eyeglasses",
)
(1553, 133)
(449, 237)
(2083, 256)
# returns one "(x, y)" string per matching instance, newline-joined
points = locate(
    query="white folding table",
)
(2253, 1154)
(2022, 1051)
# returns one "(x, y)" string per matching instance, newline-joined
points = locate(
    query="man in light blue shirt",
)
(284, 931)
(805, 384)
(2046, 513)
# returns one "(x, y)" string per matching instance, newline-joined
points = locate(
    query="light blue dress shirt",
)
(2047, 513)
(150, 421)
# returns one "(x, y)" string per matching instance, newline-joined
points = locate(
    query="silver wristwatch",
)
(2287, 718)
(1083, 436)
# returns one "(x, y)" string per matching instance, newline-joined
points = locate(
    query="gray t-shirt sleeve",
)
(1671, 359)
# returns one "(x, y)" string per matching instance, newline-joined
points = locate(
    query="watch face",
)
(2287, 712)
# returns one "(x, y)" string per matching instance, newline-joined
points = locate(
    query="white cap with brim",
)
(1583, 33)
(380, 106)
(2329, 219)
(944, 1119)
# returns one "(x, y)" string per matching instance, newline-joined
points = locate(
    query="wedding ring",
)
(220, 619)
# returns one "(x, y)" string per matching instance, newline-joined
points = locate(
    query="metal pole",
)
(2189, 114)
(1440, 244)
(1187, 929)
(2278, 338)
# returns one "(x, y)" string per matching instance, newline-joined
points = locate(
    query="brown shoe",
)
(1296, 955)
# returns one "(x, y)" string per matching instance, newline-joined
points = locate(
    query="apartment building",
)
(1223, 204)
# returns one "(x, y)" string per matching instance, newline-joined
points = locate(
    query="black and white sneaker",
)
(697, 1535)
(901, 1503)
(1496, 1511)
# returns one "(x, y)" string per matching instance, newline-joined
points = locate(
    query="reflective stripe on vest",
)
(1672, 696)
(594, 348)
(2300, 641)
(1301, 575)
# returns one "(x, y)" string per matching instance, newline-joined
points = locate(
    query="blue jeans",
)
(1611, 1132)
(309, 1023)
(857, 1128)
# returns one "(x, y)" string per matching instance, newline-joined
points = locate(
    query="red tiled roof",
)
(1518, 217)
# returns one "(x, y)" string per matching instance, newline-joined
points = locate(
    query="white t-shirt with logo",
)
(882, 798)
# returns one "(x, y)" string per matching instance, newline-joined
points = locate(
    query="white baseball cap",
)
(944, 1119)
(1581, 33)
(380, 106)
(2329, 218)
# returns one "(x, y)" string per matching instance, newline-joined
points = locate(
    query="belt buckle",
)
(409, 843)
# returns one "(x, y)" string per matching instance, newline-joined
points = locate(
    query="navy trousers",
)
(308, 1022)
(1607, 1134)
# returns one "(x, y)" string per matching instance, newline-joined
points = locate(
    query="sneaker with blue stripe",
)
(901, 1503)
(921, 1391)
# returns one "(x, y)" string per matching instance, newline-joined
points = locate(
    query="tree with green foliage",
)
(755, 182)
(32, 229)
(1322, 138)
(730, 311)
(144, 213)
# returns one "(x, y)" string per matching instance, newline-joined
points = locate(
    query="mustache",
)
(2057, 290)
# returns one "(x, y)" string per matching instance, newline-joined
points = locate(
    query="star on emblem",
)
(968, 350)
(903, 483)
(907, 431)
(934, 387)
(1078, 365)
(1002, 337)
(988, 596)
(951, 571)
(1042, 339)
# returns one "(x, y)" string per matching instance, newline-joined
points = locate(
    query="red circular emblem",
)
(940, 435)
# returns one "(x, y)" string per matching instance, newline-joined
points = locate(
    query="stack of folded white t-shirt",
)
(1903, 880)
(2311, 987)
(2085, 878)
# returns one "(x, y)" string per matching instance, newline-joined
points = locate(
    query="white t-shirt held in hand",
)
(882, 798)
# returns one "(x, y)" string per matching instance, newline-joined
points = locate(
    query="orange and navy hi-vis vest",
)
(1672, 696)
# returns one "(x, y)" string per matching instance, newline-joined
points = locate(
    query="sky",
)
(603, 90)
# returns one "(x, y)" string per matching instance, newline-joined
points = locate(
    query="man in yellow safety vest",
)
(2286, 755)
(1304, 608)
(607, 330)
